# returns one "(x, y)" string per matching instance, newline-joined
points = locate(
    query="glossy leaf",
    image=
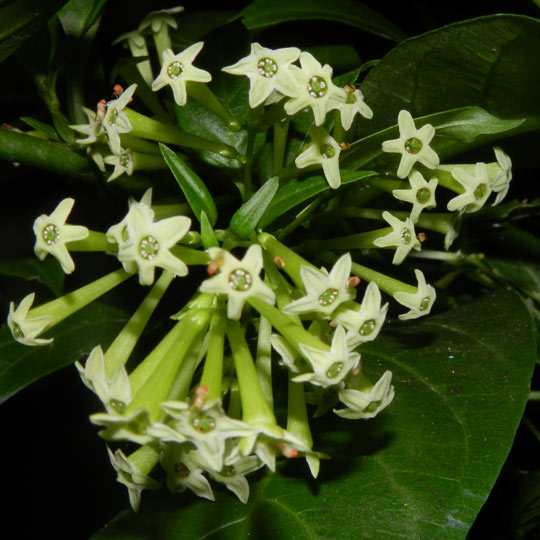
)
(421, 469)
(196, 193)
(524, 275)
(265, 13)
(245, 219)
(49, 272)
(19, 20)
(75, 337)
(42, 127)
(297, 191)
(78, 15)
(489, 62)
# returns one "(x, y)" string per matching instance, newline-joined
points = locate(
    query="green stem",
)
(213, 366)
(95, 241)
(248, 181)
(120, 349)
(147, 128)
(354, 241)
(145, 458)
(255, 408)
(139, 145)
(338, 133)
(162, 40)
(281, 130)
(263, 360)
(146, 162)
(191, 256)
(532, 428)
(63, 307)
(202, 93)
(297, 418)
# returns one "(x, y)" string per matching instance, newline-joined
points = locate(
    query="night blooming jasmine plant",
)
(265, 274)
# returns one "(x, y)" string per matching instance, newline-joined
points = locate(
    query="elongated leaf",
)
(489, 62)
(297, 191)
(22, 18)
(421, 469)
(78, 15)
(264, 13)
(75, 337)
(245, 219)
(525, 276)
(46, 129)
(48, 272)
(196, 193)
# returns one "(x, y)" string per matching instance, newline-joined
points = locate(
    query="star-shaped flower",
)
(367, 403)
(419, 303)
(329, 367)
(477, 189)
(267, 70)
(23, 329)
(413, 145)
(92, 130)
(123, 164)
(316, 88)
(128, 475)
(121, 427)
(501, 183)
(324, 292)
(325, 152)
(421, 194)
(149, 244)
(239, 280)
(365, 324)
(52, 234)
(207, 427)
(115, 121)
(403, 237)
(155, 20)
(177, 69)
(350, 102)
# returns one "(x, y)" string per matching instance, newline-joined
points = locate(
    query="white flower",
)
(325, 152)
(419, 303)
(92, 130)
(207, 427)
(120, 427)
(329, 367)
(128, 475)
(239, 280)
(123, 164)
(149, 243)
(413, 145)
(177, 69)
(350, 103)
(115, 121)
(26, 330)
(477, 189)
(501, 182)
(403, 237)
(421, 194)
(52, 234)
(288, 355)
(267, 70)
(324, 292)
(316, 89)
(365, 324)
(163, 17)
(367, 404)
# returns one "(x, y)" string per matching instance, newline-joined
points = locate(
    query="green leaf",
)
(489, 62)
(422, 469)
(245, 219)
(196, 193)
(74, 338)
(456, 131)
(46, 129)
(524, 275)
(265, 13)
(79, 15)
(48, 272)
(19, 20)
(297, 191)
(208, 236)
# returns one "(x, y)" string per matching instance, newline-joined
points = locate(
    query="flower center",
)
(175, 70)
(228, 471)
(124, 234)
(480, 191)
(424, 303)
(148, 248)
(267, 67)
(118, 405)
(373, 406)
(113, 117)
(334, 370)
(16, 330)
(240, 280)
(328, 297)
(317, 87)
(368, 327)
(50, 234)
(327, 151)
(413, 145)
(124, 160)
(423, 195)
(406, 235)
(204, 423)
(351, 98)
(181, 470)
